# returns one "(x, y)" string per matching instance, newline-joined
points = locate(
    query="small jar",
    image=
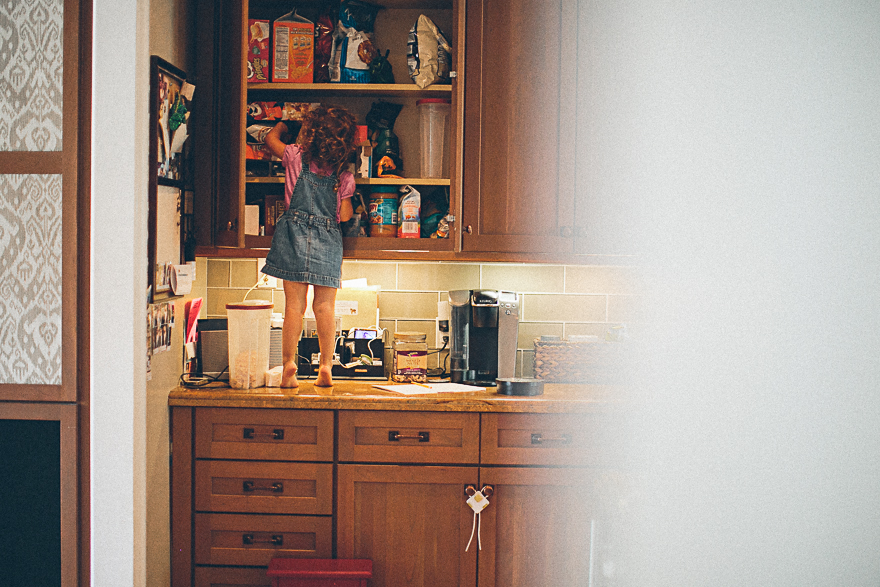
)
(409, 353)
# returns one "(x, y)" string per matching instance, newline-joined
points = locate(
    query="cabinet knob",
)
(250, 434)
(395, 436)
(538, 438)
(248, 486)
(231, 225)
(469, 229)
(566, 232)
(274, 539)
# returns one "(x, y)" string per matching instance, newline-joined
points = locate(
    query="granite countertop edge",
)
(357, 395)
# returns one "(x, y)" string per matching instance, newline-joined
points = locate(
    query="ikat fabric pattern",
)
(30, 279)
(31, 74)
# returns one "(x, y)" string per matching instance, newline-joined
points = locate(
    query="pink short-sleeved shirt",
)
(292, 162)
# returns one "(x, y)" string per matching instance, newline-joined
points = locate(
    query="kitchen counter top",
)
(362, 395)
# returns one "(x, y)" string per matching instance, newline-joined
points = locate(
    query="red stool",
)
(319, 572)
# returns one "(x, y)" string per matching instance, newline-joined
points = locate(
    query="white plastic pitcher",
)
(433, 130)
(248, 332)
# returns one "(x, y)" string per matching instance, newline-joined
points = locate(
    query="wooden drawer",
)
(226, 577)
(544, 439)
(250, 540)
(264, 487)
(279, 435)
(408, 437)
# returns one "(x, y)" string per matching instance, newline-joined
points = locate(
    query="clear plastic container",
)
(434, 130)
(409, 353)
(248, 331)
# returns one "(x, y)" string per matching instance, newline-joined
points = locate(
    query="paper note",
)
(429, 388)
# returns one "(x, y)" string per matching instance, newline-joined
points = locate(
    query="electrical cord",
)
(194, 381)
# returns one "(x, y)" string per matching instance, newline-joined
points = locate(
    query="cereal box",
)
(258, 51)
(294, 49)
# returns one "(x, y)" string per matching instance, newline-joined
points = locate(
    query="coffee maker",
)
(484, 327)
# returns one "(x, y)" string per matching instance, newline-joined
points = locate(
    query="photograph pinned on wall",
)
(171, 107)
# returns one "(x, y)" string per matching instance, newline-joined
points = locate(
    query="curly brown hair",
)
(328, 136)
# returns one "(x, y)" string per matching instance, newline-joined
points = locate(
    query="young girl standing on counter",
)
(307, 244)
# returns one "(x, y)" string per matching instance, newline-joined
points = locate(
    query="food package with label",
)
(280, 110)
(258, 51)
(428, 53)
(293, 49)
(409, 212)
(353, 49)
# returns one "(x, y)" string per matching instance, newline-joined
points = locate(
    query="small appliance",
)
(484, 328)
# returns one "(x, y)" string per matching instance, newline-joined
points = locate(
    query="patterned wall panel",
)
(31, 67)
(30, 279)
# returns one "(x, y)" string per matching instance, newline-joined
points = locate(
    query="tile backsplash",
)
(562, 300)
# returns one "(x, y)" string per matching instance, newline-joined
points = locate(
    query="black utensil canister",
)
(520, 386)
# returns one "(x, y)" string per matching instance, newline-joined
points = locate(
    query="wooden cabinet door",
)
(519, 138)
(411, 521)
(218, 125)
(538, 527)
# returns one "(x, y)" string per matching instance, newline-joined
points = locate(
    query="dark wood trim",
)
(33, 162)
(427, 256)
(83, 310)
(66, 415)
(182, 459)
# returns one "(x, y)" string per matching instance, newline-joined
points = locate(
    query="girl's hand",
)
(345, 210)
(273, 140)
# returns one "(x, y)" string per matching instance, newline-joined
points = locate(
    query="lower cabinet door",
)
(227, 577)
(412, 521)
(252, 540)
(538, 528)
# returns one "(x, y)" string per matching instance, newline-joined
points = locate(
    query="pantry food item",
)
(352, 42)
(383, 211)
(409, 212)
(323, 46)
(428, 53)
(409, 353)
(258, 51)
(293, 49)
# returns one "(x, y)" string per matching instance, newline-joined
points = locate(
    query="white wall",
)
(749, 134)
(120, 87)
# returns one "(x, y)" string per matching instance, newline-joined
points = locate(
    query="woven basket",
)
(562, 361)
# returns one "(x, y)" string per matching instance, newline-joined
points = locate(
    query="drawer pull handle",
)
(275, 539)
(277, 487)
(539, 438)
(276, 434)
(395, 436)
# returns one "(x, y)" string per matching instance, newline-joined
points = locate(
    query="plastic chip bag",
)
(428, 53)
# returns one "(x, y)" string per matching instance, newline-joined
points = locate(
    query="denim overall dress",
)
(307, 244)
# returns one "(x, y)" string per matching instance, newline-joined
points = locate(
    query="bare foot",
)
(324, 378)
(288, 378)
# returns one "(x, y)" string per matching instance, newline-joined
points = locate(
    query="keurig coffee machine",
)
(483, 329)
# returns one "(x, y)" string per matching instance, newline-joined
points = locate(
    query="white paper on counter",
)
(413, 389)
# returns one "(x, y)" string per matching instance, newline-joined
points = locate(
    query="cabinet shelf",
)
(359, 90)
(365, 180)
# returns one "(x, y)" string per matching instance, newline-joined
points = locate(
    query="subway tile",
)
(524, 278)
(438, 276)
(219, 297)
(573, 329)
(626, 309)
(563, 308)
(602, 280)
(408, 306)
(381, 274)
(243, 273)
(529, 331)
(218, 273)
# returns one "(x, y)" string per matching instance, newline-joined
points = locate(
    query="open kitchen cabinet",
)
(223, 186)
(531, 148)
